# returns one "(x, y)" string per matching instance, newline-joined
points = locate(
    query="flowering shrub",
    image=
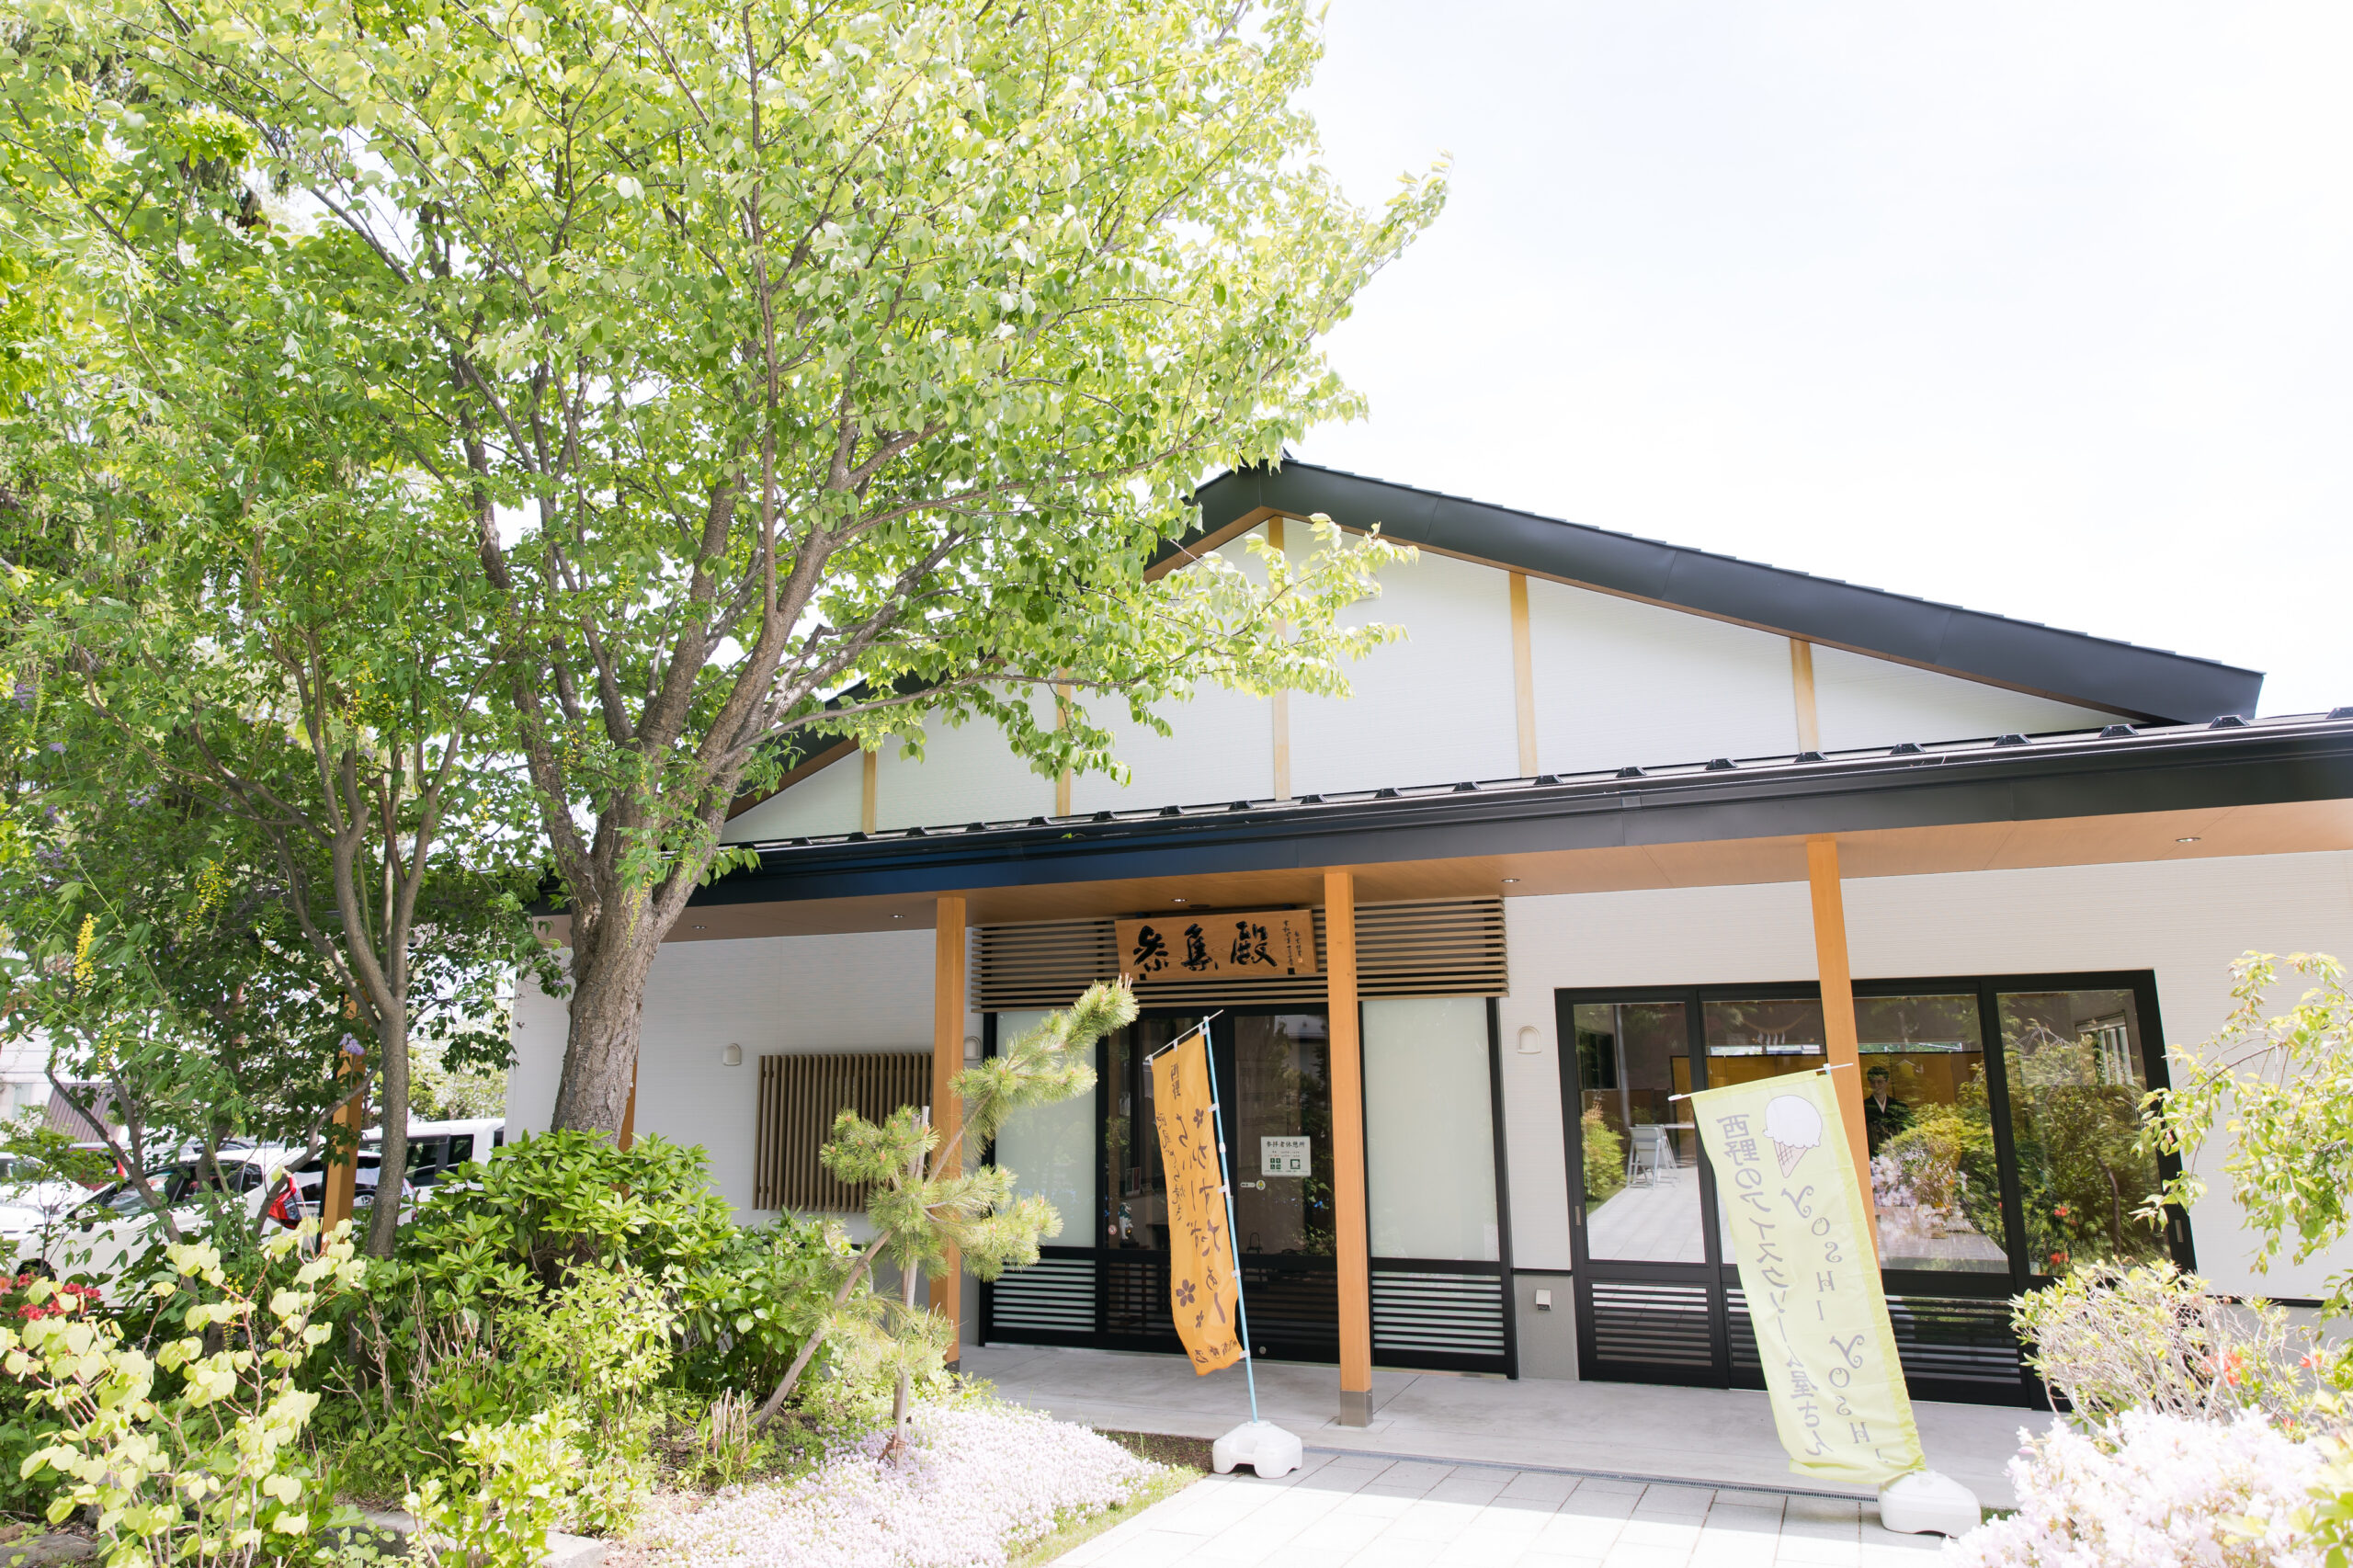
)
(214, 1471)
(2151, 1490)
(2152, 1338)
(975, 1482)
(19, 1299)
(521, 1472)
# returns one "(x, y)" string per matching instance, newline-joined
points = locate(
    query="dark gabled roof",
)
(2071, 666)
(2116, 771)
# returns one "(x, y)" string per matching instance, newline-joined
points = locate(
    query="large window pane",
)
(2074, 1060)
(1641, 1187)
(1281, 1164)
(1934, 1178)
(1135, 1191)
(1050, 1149)
(1429, 1128)
(1752, 1039)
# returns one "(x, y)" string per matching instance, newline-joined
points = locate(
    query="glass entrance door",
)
(1275, 1102)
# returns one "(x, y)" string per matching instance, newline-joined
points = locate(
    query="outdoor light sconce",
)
(733, 1055)
(1531, 1041)
(971, 1050)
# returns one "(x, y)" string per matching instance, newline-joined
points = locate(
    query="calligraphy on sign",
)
(1208, 947)
(1786, 1179)
(1201, 1249)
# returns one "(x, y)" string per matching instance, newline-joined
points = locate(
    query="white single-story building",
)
(1617, 820)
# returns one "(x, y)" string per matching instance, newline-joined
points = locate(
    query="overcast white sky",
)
(2037, 309)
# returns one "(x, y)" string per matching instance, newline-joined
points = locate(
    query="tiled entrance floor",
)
(1368, 1512)
(1705, 1438)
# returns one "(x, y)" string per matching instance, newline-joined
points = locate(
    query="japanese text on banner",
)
(1200, 1253)
(1785, 1182)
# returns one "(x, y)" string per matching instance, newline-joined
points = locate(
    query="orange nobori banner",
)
(1200, 1253)
(1209, 947)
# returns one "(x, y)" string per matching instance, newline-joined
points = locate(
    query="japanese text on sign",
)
(1206, 947)
(1282, 1156)
(1202, 1294)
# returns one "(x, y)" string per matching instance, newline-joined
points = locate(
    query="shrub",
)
(519, 1475)
(2155, 1491)
(1604, 1156)
(210, 1472)
(2151, 1338)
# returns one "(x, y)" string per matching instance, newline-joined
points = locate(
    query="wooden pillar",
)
(1278, 704)
(947, 1061)
(339, 1190)
(1802, 695)
(1347, 1151)
(629, 1111)
(1838, 1008)
(1523, 674)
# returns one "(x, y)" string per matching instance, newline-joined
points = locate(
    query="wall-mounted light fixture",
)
(971, 1050)
(1531, 1041)
(733, 1055)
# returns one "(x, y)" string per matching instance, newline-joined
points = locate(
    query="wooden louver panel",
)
(799, 1097)
(1431, 948)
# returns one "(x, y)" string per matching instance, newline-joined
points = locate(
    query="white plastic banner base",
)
(1927, 1502)
(1263, 1446)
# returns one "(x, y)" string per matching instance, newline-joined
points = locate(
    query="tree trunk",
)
(391, 1168)
(609, 962)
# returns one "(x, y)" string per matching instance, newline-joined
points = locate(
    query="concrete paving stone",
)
(1430, 1520)
(1740, 1497)
(1154, 1549)
(1636, 1554)
(1415, 1473)
(1880, 1554)
(1661, 1532)
(1815, 1553)
(1577, 1536)
(1343, 1460)
(1600, 1505)
(1822, 1510)
(1552, 1560)
(1538, 1483)
(1469, 1486)
(1674, 1500)
(1745, 1521)
(1344, 1533)
(1389, 1551)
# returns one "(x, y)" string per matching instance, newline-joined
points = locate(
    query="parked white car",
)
(103, 1231)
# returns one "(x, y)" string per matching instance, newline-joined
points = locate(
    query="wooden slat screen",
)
(799, 1097)
(1430, 948)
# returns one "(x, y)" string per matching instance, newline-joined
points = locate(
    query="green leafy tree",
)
(797, 371)
(926, 1198)
(2281, 1087)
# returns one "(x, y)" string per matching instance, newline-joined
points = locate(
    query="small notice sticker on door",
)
(1282, 1156)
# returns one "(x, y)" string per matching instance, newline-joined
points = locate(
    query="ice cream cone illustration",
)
(1794, 1126)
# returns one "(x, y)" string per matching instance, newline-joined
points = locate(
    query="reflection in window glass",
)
(1429, 1128)
(2073, 1060)
(1050, 1149)
(1134, 1189)
(1283, 1095)
(1642, 1183)
(1934, 1177)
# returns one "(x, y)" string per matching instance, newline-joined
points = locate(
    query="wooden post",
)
(947, 1061)
(1523, 674)
(1839, 1034)
(1801, 694)
(629, 1112)
(1278, 704)
(339, 1190)
(1347, 1150)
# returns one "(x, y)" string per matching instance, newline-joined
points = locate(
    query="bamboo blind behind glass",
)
(799, 1097)
(1428, 947)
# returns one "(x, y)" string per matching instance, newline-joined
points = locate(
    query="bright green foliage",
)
(519, 1477)
(193, 1454)
(2329, 1516)
(2112, 1339)
(925, 1197)
(1604, 1156)
(793, 371)
(2283, 1089)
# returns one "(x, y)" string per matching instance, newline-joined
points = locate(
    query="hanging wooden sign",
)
(1218, 947)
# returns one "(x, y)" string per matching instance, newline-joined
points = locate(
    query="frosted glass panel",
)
(1429, 1128)
(1050, 1149)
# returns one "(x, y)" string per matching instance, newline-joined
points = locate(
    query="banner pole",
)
(1234, 1246)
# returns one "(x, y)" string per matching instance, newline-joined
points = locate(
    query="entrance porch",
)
(1691, 1437)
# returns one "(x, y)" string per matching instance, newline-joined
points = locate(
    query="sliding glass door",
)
(2001, 1114)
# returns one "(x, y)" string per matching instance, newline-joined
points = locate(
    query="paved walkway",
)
(1374, 1512)
(1710, 1437)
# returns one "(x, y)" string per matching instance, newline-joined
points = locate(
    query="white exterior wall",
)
(2186, 920)
(1614, 682)
(870, 991)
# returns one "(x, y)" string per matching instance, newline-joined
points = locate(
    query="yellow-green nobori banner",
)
(1785, 1182)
